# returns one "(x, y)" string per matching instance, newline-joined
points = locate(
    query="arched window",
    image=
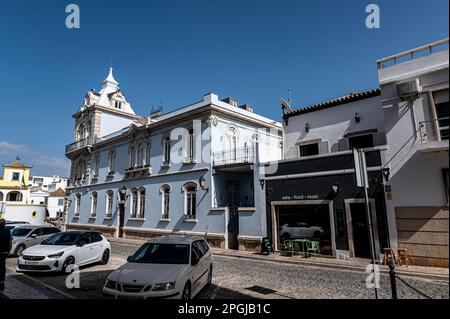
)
(109, 203)
(94, 197)
(77, 204)
(14, 197)
(140, 155)
(232, 137)
(1, 196)
(111, 161)
(165, 191)
(256, 138)
(132, 157)
(134, 203)
(96, 165)
(141, 202)
(148, 153)
(190, 200)
(80, 170)
(166, 150)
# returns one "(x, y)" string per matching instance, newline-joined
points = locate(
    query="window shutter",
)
(323, 147)
(343, 144)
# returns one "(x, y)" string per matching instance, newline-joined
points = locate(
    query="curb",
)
(444, 278)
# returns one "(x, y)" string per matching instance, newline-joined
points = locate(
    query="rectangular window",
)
(60, 202)
(441, 105)
(361, 141)
(309, 149)
(16, 176)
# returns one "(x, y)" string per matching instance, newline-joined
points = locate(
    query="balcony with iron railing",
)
(435, 130)
(78, 145)
(244, 155)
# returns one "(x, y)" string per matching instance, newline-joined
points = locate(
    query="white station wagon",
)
(174, 266)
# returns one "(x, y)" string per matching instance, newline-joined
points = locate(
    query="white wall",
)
(332, 124)
(53, 207)
(112, 123)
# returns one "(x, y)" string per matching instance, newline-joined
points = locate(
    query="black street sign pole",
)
(363, 181)
(372, 241)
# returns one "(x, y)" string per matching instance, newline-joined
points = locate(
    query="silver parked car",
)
(29, 235)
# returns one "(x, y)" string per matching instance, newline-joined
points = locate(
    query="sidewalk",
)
(431, 273)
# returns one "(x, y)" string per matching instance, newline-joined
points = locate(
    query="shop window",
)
(310, 222)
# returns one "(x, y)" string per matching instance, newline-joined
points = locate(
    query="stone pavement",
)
(355, 264)
(19, 286)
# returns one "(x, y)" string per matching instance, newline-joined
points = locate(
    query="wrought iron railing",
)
(434, 130)
(234, 156)
(78, 144)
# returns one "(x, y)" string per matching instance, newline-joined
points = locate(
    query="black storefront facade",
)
(318, 198)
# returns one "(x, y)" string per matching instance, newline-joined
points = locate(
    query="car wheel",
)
(69, 261)
(186, 292)
(19, 250)
(105, 257)
(209, 282)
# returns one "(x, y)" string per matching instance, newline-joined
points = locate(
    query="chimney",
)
(231, 100)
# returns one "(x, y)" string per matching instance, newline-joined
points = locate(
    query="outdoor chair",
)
(313, 248)
(389, 256)
(403, 255)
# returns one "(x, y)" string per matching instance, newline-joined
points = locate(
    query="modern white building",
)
(415, 98)
(193, 170)
(48, 183)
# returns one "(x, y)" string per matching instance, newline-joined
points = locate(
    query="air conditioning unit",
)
(409, 90)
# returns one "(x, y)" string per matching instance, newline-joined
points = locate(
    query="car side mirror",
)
(129, 258)
(33, 235)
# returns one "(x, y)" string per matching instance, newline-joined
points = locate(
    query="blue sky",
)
(173, 52)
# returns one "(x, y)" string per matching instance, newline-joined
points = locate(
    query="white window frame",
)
(141, 202)
(166, 150)
(134, 203)
(109, 203)
(190, 194)
(94, 202)
(111, 161)
(165, 205)
(77, 205)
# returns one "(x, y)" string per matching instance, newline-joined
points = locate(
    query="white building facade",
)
(192, 170)
(415, 99)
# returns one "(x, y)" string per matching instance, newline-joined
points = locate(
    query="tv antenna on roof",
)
(286, 105)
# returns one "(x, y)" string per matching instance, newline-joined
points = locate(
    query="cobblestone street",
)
(237, 278)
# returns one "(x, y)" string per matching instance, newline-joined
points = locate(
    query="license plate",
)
(31, 263)
(130, 297)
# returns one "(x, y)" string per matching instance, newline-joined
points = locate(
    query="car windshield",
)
(62, 239)
(20, 232)
(152, 253)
